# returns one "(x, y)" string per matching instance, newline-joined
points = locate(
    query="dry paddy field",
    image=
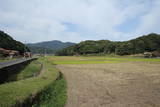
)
(116, 82)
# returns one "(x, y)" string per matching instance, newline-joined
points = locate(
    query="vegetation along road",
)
(111, 82)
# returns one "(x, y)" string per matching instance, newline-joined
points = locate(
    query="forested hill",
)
(7, 42)
(147, 43)
(49, 46)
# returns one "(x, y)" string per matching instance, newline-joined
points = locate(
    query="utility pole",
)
(44, 52)
(24, 49)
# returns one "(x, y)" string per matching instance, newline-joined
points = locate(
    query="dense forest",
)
(7, 42)
(146, 43)
(49, 47)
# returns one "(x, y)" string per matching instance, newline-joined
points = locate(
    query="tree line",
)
(146, 43)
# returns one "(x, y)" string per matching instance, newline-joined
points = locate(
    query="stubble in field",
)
(128, 84)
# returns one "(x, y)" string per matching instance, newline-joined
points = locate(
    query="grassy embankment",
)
(47, 89)
(54, 95)
(31, 70)
(98, 60)
(26, 71)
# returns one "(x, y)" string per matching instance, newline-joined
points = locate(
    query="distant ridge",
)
(49, 46)
(146, 43)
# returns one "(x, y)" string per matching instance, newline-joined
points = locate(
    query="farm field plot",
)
(118, 82)
(98, 60)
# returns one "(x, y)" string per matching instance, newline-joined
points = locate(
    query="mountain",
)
(146, 43)
(49, 47)
(7, 42)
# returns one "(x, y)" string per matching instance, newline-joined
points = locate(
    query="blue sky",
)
(79, 20)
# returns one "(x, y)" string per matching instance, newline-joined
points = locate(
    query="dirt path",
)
(113, 85)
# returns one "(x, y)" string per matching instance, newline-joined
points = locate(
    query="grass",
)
(50, 98)
(15, 93)
(26, 71)
(31, 70)
(84, 62)
(97, 60)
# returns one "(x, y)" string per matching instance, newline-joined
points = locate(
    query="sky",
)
(78, 20)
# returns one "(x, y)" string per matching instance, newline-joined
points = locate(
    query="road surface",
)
(13, 62)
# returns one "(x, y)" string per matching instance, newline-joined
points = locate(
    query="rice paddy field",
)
(110, 81)
(98, 60)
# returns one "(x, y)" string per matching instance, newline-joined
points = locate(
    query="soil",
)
(132, 84)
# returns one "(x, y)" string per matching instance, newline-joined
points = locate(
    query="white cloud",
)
(150, 21)
(37, 20)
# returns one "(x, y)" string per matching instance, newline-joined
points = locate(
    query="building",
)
(9, 53)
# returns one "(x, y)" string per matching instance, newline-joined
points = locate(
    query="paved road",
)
(112, 85)
(13, 62)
